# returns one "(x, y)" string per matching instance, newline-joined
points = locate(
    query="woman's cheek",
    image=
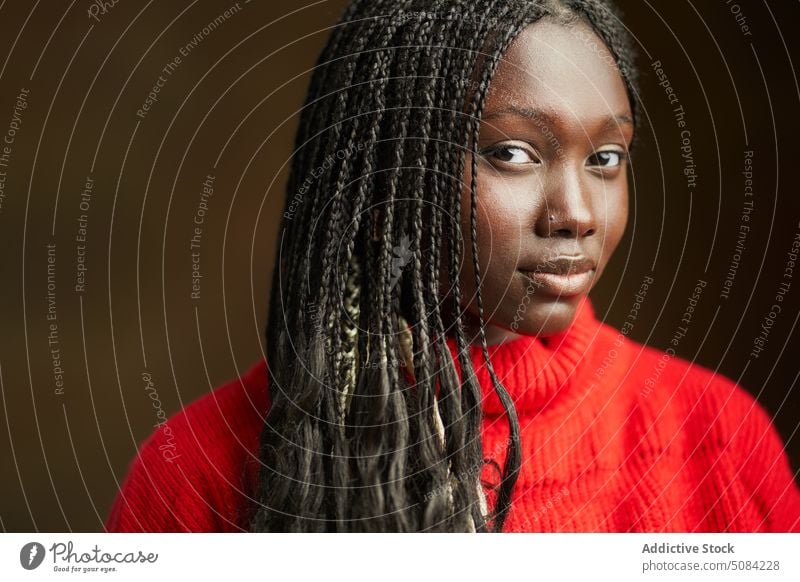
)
(504, 207)
(616, 222)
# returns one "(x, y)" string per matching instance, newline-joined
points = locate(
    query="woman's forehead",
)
(565, 70)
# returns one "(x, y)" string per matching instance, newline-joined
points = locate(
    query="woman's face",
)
(552, 185)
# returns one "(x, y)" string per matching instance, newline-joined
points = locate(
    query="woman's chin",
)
(546, 317)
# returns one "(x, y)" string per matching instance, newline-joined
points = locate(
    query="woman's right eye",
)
(511, 154)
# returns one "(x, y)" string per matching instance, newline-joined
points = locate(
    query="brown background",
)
(234, 97)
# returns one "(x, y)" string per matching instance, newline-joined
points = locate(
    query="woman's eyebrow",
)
(542, 117)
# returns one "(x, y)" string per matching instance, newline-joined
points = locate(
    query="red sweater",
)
(615, 437)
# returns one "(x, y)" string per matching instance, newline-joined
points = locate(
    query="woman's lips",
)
(561, 285)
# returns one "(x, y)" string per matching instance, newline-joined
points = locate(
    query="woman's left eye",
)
(606, 159)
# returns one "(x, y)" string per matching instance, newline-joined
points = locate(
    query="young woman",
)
(433, 361)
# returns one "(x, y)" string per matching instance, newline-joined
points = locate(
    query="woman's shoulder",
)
(231, 414)
(717, 425)
(194, 471)
(237, 406)
(659, 378)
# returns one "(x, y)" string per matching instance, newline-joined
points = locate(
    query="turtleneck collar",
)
(538, 372)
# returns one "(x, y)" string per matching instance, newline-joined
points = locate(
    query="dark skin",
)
(552, 179)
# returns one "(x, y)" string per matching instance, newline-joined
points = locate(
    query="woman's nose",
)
(567, 210)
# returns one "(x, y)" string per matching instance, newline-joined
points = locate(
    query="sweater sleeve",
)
(162, 491)
(196, 471)
(763, 471)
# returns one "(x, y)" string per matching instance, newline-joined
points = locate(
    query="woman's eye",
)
(511, 154)
(606, 159)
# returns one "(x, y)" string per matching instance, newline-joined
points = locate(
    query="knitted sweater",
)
(615, 437)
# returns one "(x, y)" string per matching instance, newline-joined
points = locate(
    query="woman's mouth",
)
(563, 277)
(561, 285)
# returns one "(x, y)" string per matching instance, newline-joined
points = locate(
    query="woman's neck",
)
(495, 334)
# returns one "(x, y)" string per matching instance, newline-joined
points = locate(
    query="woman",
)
(433, 360)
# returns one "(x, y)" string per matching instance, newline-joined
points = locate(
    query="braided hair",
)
(370, 426)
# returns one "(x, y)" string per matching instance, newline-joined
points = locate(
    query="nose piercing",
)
(552, 218)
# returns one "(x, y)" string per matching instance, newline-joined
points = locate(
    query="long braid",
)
(514, 456)
(390, 397)
(438, 516)
(462, 429)
(363, 30)
(471, 405)
(366, 457)
(307, 378)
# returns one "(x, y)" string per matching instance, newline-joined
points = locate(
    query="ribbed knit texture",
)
(616, 437)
